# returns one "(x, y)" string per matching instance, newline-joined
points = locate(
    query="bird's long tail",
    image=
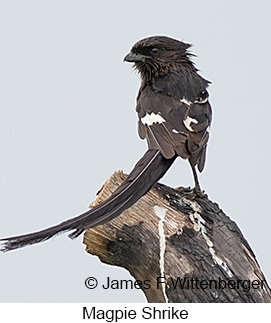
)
(148, 170)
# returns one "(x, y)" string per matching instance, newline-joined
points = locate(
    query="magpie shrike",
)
(174, 115)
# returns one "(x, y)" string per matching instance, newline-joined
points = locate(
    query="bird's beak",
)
(134, 58)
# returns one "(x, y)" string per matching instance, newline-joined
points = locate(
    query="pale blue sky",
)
(68, 121)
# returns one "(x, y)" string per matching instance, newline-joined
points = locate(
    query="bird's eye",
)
(154, 50)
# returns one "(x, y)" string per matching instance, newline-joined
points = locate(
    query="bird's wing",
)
(174, 126)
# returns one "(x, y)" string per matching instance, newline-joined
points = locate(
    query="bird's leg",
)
(197, 186)
(196, 191)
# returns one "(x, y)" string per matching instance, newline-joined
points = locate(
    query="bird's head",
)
(158, 55)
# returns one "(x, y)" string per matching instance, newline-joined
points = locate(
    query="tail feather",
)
(148, 170)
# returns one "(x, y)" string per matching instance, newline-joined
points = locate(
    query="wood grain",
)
(195, 242)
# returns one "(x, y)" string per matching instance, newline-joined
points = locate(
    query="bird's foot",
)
(191, 193)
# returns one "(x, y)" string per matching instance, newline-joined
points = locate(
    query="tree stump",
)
(178, 249)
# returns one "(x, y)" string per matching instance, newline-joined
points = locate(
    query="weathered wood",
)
(165, 234)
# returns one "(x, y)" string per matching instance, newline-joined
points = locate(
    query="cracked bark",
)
(195, 242)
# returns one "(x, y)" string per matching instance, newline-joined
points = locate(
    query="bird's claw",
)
(191, 193)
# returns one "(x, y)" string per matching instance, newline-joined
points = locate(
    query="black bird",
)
(174, 115)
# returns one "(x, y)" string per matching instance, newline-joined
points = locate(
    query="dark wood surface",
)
(180, 249)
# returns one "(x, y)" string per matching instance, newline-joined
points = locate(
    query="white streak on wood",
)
(199, 226)
(161, 213)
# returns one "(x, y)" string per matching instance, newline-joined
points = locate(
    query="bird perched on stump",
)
(174, 115)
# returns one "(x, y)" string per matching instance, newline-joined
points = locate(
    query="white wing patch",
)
(199, 100)
(152, 118)
(187, 122)
(185, 101)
